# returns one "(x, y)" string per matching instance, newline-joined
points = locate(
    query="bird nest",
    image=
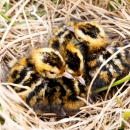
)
(28, 24)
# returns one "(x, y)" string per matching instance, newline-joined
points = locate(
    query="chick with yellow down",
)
(35, 71)
(99, 50)
(71, 49)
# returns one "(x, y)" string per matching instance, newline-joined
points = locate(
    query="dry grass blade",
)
(24, 32)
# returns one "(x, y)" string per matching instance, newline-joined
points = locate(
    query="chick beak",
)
(69, 28)
(81, 80)
(110, 49)
(68, 75)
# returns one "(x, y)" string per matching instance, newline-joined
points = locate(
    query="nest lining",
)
(25, 32)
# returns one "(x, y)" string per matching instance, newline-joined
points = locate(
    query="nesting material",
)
(21, 31)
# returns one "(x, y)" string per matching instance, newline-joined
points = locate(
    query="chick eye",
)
(52, 73)
(78, 38)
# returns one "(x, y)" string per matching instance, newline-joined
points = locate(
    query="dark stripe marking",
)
(73, 61)
(35, 92)
(56, 44)
(90, 30)
(21, 74)
(52, 59)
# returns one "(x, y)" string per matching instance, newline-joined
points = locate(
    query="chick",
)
(66, 43)
(35, 70)
(75, 60)
(117, 68)
(61, 97)
(99, 50)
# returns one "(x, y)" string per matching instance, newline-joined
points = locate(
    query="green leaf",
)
(111, 7)
(119, 1)
(7, 6)
(126, 115)
(5, 17)
(0, 108)
(119, 101)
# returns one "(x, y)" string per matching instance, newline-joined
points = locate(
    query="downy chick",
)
(35, 70)
(99, 50)
(66, 43)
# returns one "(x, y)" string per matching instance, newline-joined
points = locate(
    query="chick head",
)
(74, 61)
(49, 63)
(90, 33)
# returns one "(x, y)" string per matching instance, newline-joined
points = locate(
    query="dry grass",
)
(25, 31)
